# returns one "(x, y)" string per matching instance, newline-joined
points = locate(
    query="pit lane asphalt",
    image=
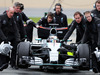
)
(34, 70)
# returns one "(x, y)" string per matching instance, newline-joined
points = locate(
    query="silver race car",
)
(48, 53)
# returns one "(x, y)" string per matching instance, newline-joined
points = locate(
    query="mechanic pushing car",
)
(44, 22)
(96, 11)
(8, 33)
(79, 24)
(92, 36)
(59, 17)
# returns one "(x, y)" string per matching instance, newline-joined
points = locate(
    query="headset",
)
(94, 5)
(58, 4)
(49, 14)
(92, 15)
(21, 6)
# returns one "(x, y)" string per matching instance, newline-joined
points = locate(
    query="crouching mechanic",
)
(92, 36)
(8, 33)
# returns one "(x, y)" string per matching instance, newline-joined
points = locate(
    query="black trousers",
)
(94, 59)
(4, 60)
(29, 32)
(13, 53)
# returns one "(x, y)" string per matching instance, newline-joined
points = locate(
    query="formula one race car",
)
(49, 53)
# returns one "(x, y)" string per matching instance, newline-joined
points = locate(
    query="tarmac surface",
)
(35, 70)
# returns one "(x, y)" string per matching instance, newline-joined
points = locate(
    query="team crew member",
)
(45, 21)
(92, 35)
(24, 17)
(18, 19)
(96, 11)
(29, 23)
(59, 17)
(79, 25)
(8, 33)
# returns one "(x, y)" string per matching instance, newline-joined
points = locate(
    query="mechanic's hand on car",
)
(37, 26)
(62, 42)
(25, 25)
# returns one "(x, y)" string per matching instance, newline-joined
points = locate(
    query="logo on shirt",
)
(98, 25)
(4, 21)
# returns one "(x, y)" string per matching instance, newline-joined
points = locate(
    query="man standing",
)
(92, 36)
(29, 23)
(96, 11)
(79, 24)
(20, 28)
(19, 21)
(8, 33)
(59, 17)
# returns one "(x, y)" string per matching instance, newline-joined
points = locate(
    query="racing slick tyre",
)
(22, 50)
(83, 53)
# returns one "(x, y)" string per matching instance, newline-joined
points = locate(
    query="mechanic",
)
(45, 21)
(59, 17)
(96, 11)
(92, 36)
(24, 17)
(8, 33)
(29, 23)
(79, 24)
(19, 21)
